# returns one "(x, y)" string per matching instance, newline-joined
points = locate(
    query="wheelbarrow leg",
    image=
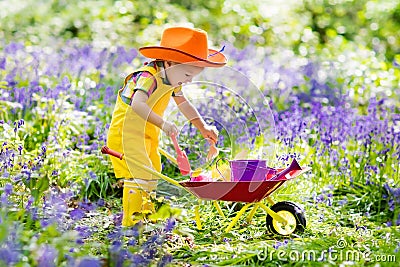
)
(270, 201)
(252, 212)
(218, 207)
(197, 216)
(234, 221)
(273, 214)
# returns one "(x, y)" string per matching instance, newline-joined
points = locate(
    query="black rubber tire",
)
(296, 212)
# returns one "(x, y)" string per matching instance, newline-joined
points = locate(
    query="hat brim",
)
(215, 58)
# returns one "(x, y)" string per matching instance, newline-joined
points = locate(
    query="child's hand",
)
(210, 132)
(169, 128)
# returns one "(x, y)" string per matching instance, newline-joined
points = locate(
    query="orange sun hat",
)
(185, 45)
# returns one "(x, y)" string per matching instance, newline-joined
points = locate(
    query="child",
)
(138, 114)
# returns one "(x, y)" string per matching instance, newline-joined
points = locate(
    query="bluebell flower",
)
(13, 47)
(119, 256)
(101, 202)
(45, 222)
(3, 62)
(89, 262)
(8, 255)
(166, 259)
(92, 175)
(84, 231)
(116, 234)
(391, 204)
(170, 225)
(277, 245)
(227, 240)
(132, 242)
(116, 245)
(4, 200)
(8, 189)
(47, 256)
(139, 260)
(77, 214)
(131, 231)
(320, 198)
(71, 261)
(87, 205)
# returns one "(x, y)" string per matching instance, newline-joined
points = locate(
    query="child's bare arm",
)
(191, 113)
(140, 107)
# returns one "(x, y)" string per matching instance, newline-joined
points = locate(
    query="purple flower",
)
(166, 259)
(132, 242)
(277, 245)
(86, 205)
(92, 175)
(396, 63)
(116, 234)
(3, 200)
(8, 256)
(77, 214)
(397, 248)
(139, 260)
(89, 262)
(116, 245)
(45, 222)
(29, 203)
(170, 225)
(8, 189)
(227, 240)
(3, 62)
(320, 198)
(47, 256)
(84, 231)
(12, 48)
(117, 218)
(101, 202)
(132, 231)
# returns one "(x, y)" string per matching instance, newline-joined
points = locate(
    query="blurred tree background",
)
(305, 26)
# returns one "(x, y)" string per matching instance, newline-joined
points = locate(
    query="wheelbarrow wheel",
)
(294, 215)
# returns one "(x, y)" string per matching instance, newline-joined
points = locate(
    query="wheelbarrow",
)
(283, 218)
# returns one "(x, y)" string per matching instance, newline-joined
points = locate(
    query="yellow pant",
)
(136, 199)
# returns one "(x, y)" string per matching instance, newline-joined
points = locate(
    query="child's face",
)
(178, 74)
